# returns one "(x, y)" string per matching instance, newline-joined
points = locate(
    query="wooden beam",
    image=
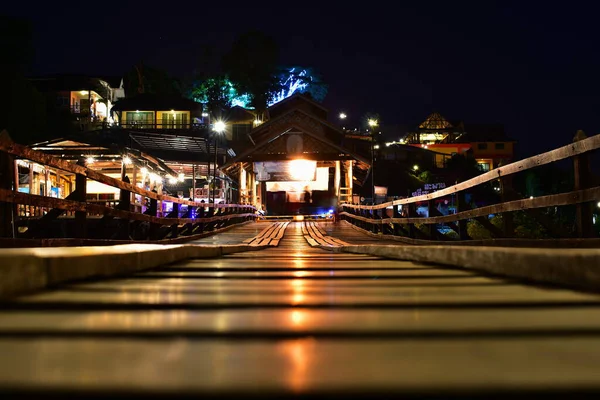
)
(580, 147)
(75, 206)
(563, 199)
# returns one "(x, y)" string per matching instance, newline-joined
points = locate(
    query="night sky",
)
(529, 65)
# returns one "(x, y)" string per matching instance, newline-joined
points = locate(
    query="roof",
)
(64, 82)
(297, 100)
(239, 114)
(485, 133)
(435, 121)
(156, 102)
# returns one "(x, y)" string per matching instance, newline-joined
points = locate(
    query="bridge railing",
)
(399, 217)
(100, 220)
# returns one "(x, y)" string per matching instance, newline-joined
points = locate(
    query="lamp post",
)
(218, 127)
(373, 123)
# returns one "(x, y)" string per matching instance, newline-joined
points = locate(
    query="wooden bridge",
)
(296, 320)
(207, 301)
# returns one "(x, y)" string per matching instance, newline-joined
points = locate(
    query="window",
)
(140, 119)
(484, 167)
(499, 146)
(481, 146)
(174, 120)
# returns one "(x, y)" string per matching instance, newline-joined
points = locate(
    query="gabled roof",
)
(296, 101)
(239, 114)
(292, 120)
(435, 121)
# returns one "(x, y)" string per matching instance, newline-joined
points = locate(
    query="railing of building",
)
(76, 217)
(398, 219)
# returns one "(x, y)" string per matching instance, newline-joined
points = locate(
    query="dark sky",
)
(532, 66)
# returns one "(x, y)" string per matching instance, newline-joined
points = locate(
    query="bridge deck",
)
(299, 320)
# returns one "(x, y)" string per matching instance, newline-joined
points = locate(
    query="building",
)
(153, 111)
(88, 99)
(297, 163)
(487, 143)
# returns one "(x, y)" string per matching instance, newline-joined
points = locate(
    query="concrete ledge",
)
(26, 270)
(579, 268)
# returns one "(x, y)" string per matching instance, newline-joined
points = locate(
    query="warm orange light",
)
(298, 217)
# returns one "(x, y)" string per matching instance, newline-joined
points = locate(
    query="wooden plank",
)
(260, 235)
(580, 147)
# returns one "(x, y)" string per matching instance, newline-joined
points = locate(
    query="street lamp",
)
(372, 123)
(218, 127)
(343, 115)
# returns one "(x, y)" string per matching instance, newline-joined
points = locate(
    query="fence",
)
(28, 216)
(404, 222)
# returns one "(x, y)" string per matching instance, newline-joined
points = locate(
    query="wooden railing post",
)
(412, 212)
(81, 196)
(7, 181)
(397, 230)
(506, 191)
(461, 205)
(430, 213)
(583, 180)
(175, 226)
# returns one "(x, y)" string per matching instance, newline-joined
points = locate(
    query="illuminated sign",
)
(293, 170)
(428, 188)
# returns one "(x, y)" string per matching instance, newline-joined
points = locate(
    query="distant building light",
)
(376, 147)
(531, 197)
(205, 114)
(257, 122)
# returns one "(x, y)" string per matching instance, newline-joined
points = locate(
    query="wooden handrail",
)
(562, 199)
(574, 149)
(10, 196)
(8, 146)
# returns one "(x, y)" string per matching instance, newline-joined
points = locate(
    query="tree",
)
(251, 64)
(297, 79)
(22, 108)
(216, 92)
(146, 79)
(462, 167)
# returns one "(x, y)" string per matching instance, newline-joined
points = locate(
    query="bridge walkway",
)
(296, 320)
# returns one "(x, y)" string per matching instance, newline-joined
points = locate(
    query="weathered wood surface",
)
(300, 322)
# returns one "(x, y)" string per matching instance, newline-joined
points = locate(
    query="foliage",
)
(146, 79)
(24, 112)
(427, 177)
(462, 167)
(452, 235)
(251, 64)
(296, 79)
(216, 92)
